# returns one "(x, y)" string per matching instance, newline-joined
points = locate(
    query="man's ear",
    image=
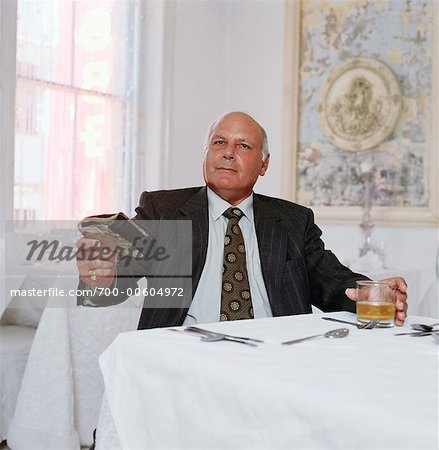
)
(265, 165)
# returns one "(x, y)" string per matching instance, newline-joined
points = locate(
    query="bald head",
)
(240, 115)
(236, 155)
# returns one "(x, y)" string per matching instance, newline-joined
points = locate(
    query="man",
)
(284, 267)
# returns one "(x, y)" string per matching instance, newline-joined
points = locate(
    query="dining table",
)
(372, 389)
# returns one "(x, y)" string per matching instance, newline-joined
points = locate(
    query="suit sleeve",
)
(162, 260)
(328, 278)
(127, 274)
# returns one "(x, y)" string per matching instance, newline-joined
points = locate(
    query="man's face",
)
(233, 159)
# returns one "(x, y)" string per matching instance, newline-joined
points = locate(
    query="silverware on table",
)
(418, 333)
(213, 336)
(337, 333)
(368, 325)
(214, 333)
(424, 327)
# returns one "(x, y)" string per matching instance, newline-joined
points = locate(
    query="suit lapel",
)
(196, 210)
(272, 242)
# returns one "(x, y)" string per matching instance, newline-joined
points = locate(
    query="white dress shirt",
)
(206, 303)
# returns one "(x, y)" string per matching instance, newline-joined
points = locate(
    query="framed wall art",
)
(363, 98)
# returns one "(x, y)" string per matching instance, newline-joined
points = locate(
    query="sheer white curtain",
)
(84, 107)
(75, 107)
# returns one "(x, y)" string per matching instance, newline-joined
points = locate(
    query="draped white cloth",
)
(61, 393)
(15, 344)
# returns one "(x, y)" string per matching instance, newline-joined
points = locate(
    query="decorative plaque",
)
(360, 104)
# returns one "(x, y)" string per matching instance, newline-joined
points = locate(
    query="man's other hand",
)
(401, 298)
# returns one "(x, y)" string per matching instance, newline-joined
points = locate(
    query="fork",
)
(368, 325)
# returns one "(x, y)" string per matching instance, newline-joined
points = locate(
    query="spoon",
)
(337, 333)
(423, 327)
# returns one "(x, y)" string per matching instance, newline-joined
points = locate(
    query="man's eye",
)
(218, 142)
(244, 145)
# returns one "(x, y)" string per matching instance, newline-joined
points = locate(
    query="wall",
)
(412, 252)
(225, 55)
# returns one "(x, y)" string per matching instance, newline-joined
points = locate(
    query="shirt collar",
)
(217, 205)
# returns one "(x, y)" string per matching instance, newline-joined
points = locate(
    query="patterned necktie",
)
(236, 302)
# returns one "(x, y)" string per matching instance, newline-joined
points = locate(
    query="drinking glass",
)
(376, 300)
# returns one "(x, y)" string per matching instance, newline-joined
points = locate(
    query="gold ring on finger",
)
(92, 274)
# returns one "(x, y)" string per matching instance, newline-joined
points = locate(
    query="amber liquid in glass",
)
(385, 312)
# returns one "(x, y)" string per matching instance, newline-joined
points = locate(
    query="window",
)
(75, 108)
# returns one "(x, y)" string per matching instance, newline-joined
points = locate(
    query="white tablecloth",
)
(370, 390)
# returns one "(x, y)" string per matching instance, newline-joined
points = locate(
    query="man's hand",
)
(401, 298)
(96, 264)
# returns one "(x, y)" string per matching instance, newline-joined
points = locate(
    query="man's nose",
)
(229, 152)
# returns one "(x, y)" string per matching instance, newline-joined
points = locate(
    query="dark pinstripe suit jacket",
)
(296, 268)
